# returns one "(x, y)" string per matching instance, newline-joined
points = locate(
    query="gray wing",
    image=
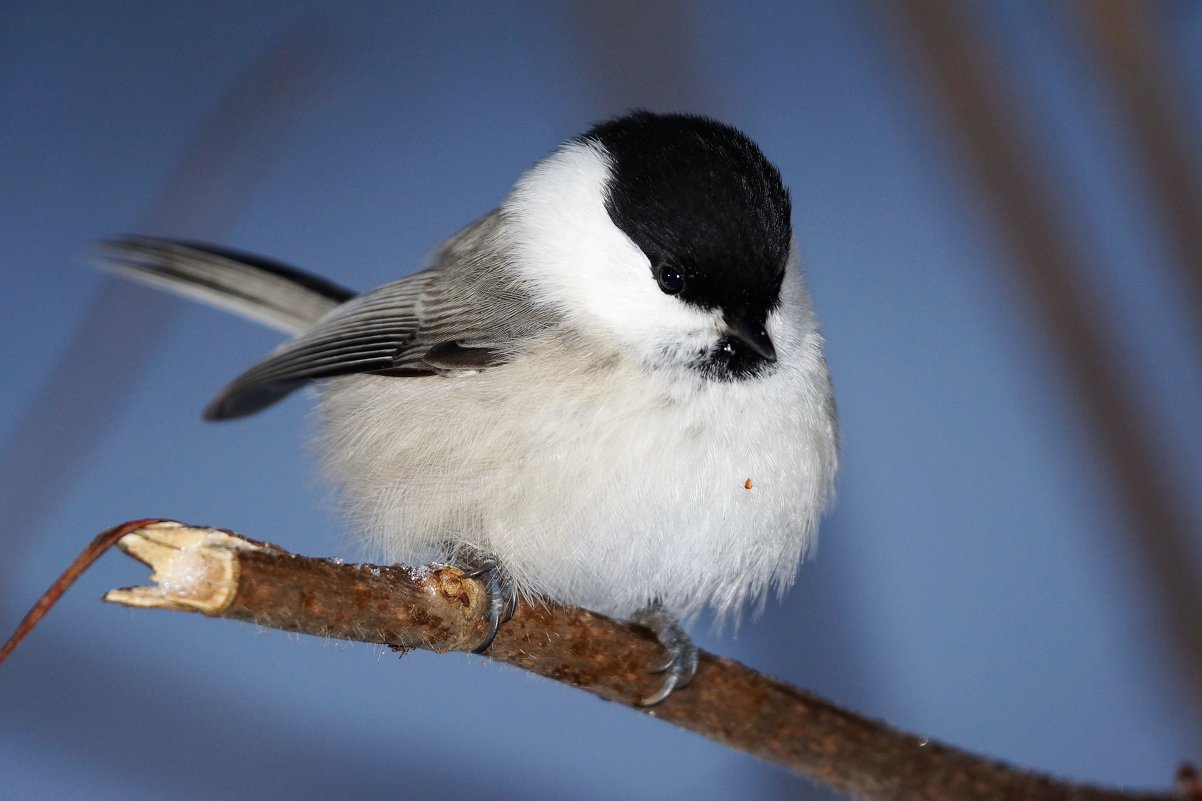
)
(462, 315)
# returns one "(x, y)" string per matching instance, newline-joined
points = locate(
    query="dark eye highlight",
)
(671, 281)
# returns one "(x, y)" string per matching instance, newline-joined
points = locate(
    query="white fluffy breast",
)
(596, 481)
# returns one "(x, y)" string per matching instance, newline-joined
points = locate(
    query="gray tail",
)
(268, 292)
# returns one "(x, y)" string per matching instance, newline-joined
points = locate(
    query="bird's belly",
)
(594, 489)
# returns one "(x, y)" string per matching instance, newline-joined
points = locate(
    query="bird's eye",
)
(671, 281)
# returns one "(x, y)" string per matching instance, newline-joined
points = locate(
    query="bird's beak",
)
(752, 335)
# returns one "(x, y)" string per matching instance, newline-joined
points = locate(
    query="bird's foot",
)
(502, 598)
(681, 665)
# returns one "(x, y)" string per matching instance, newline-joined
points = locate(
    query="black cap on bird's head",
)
(712, 216)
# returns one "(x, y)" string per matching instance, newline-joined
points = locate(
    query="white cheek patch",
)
(572, 257)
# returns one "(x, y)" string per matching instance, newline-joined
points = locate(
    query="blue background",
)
(973, 584)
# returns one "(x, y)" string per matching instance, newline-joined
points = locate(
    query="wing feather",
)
(462, 313)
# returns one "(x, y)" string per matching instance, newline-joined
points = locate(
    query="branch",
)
(437, 608)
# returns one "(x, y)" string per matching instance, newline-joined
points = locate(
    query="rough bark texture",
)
(439, 609)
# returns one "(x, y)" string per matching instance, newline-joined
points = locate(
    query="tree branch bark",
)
(221, 574)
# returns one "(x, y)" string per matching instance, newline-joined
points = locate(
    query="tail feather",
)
(269, 292)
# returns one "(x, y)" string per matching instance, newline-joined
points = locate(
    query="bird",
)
(610, 391)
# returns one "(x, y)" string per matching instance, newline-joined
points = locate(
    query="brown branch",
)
(437, 608)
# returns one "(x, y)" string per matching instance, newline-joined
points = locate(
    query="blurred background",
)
(997, 205)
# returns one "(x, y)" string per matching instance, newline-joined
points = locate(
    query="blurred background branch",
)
(988, 124)
(66, 419)
(1131, 46)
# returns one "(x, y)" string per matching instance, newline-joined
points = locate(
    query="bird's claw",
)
(502, 600)
(681, 664)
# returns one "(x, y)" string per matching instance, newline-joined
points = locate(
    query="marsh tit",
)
(609, 392)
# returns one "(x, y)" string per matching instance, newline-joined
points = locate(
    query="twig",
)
(95, 549)
(437, 608)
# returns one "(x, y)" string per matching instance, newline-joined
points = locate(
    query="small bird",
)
(609, 392)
